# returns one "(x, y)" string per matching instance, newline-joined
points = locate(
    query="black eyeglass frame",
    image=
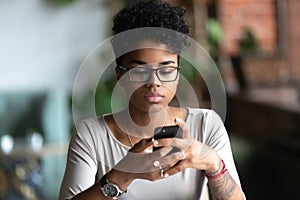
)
(153, 71)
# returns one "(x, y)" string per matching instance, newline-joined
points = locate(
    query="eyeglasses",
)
(143, 74)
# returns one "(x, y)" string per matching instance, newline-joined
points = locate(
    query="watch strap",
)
(103, 180)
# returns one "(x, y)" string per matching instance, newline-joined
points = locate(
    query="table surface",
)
(286, 98)
(265, 113)
(48, 150)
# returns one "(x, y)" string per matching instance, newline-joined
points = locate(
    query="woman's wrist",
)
(120, 178)
(218, 174)
(214, 168)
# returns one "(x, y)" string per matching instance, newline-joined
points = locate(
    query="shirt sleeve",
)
(81, 167)
(217, 138)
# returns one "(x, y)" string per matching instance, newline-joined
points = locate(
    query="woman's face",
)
(152, 92)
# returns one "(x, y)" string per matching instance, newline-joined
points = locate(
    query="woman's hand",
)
(194, 153)
(150, 166)
(202, 157)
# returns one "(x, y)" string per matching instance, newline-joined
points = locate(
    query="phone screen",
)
(167, 132)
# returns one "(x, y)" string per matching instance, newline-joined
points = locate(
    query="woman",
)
(112, 157)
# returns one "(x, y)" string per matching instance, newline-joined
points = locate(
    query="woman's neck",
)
(144, 122)
(152, 116)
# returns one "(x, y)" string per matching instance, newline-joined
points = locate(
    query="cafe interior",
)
(254, 44)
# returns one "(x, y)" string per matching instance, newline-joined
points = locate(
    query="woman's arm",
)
(222, 186)
(82, 166)
(80, 176)
(119, 178)
(200, 156)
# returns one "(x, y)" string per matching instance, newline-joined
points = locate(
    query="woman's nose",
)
(153, 79)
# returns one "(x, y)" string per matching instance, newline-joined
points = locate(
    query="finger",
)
(167, 142)
(161, 152)
(170, 160)
(180, 143)
(158, 174)
(178, 167)
(185, 129)
(166, 163)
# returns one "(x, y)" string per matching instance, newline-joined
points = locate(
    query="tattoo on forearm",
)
(223, 188)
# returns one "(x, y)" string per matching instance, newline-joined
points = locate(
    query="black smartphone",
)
(167, 132)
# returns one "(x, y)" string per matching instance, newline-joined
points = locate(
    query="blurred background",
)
(255, 44)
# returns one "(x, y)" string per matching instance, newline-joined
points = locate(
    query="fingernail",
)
(155, 142)
(166, 175)
(177, 120)
(149, 139)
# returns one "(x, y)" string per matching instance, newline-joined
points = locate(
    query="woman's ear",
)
(118, 73)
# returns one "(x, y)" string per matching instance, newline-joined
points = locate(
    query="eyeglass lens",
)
(164, 74)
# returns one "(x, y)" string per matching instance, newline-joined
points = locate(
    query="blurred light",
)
(35, 141)
(7, 143)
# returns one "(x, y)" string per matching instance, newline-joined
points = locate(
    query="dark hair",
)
(150, 13)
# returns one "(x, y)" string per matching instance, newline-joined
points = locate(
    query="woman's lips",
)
(154, 97)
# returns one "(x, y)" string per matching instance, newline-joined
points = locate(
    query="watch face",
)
(110, 190)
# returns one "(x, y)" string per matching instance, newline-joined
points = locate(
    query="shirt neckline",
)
(120, 143)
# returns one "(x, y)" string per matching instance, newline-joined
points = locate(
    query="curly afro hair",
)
(151, 13)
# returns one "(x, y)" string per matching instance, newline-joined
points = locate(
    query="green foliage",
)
(248, 43)
(214, 36)
(104, 101)
(187, 70)
(103, 97)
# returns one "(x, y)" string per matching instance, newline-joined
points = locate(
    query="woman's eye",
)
(166, 71)
(140, 71)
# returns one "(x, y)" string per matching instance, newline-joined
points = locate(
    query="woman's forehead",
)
(150, 55)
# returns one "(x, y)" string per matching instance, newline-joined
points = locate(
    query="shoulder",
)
(90, 129)
(204, 119)
(91, 124)
(200, 113)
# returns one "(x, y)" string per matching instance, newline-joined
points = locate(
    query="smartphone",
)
(167, 132)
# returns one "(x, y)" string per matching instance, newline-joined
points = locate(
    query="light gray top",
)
(94, 150)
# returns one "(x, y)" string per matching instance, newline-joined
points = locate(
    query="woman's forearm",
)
(92, 193)
(122, 179)
(225, 188)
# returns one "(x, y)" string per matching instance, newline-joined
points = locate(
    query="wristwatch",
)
(110, 189)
